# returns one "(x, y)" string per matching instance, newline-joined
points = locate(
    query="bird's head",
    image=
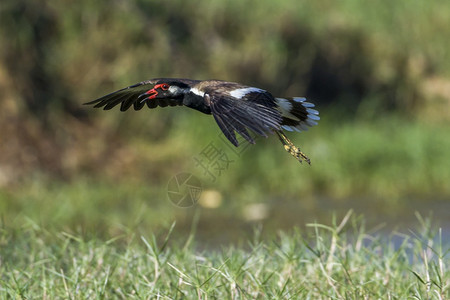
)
(167, 89)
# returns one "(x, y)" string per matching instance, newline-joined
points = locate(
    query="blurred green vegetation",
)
(378, 73)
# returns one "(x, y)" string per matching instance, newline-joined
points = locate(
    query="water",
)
(221, 227)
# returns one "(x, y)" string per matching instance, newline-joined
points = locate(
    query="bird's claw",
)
(292, 149)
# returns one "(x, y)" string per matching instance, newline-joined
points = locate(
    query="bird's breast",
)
(197, 102)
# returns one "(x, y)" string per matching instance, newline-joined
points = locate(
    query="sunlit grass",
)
(344, 260)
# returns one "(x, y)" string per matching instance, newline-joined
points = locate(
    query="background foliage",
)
(378, 73)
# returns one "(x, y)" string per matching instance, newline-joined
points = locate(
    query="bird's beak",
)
(150, 94)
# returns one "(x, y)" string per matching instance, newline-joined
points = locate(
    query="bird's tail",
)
(297, 114)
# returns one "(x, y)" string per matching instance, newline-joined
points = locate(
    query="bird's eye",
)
(165, 86)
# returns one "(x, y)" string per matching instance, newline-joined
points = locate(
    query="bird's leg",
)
(292, 149)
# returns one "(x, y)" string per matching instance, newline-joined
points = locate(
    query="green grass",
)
(344, 260)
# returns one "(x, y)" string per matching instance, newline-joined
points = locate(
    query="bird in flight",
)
(235, 107)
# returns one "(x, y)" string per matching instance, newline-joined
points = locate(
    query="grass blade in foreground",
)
(340, 261)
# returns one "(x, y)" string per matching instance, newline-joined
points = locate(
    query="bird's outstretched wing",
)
(252, 109)
(132, 95)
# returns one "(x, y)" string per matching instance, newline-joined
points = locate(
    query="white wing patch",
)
(240, 93)
(197, 92)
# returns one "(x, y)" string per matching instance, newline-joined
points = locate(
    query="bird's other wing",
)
(237, 111)
(132, 95)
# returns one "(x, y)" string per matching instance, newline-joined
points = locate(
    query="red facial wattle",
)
(154, 91)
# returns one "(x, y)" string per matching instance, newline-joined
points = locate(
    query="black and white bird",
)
(234, 106)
